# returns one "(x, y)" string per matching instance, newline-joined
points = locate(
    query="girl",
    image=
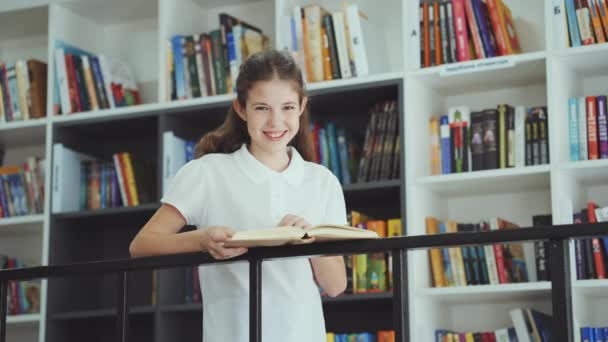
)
(254, 171)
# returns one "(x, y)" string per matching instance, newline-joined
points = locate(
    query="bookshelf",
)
(545, 73)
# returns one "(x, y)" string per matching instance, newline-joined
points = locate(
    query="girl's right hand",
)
(213, 242)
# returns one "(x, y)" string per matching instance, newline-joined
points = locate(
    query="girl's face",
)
(272, 114)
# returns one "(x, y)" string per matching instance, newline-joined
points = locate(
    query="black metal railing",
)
(558, 236)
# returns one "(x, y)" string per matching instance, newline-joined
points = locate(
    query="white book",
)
(356, 39)
(198, 53)
(341, 42)
(66, 178)
(582, 129)
(522, 328)
(23, 84)
(107, 78)
(174, 157)
(530, 259)
(601, 214)
(502, 335)
(62, 78)
(573, 128)
(122, 182)
(520, 136)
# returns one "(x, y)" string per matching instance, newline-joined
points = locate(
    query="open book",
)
(293, 235)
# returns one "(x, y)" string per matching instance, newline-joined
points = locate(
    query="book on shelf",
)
(176, 153)
(593, 334)
(277, 236)
(528, 325)
(588, 127)
(207, 63)
(480, 265)
(22, 90)
(493, 138)
(461, 30)
(86, 81)
(327, 45)
(22, 188)
(380, 336)
(586, 22)
(23, 296)
(591, 253)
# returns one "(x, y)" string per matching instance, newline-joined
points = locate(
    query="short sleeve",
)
(335, 208)
(186, 192)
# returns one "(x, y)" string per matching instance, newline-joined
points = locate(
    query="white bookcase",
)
(546, 73)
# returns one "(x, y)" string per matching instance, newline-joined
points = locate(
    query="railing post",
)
(3, 309)
(255, 300)
(122, 326)
(400, 296)
(561, 295)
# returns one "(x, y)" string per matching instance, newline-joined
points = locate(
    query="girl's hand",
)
(213, 242)
(296, 221)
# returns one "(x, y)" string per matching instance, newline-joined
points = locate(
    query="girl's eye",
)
(260, 108)
(289, 107)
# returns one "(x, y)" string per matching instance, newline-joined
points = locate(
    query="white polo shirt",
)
(238, 191)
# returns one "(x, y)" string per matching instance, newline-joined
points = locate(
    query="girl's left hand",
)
(296, 221)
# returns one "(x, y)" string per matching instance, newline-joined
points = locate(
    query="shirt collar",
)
(258, 172)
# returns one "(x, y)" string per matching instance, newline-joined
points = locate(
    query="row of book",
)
(368, 273)
(493, 138)
(380, 154)
(591, 253)
(594, 334)
(499, 263)
(528, 325)
(207, 64)
(327, 46)
(87, 81)
(23, 296)
(380, 336)
(587, 22)
(335, 151)
(192, 285)
(123, 181)
(22, 188)
(588, 127)
(462, 30)
(22, 90)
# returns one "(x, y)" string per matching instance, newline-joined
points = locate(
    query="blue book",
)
(102, 178)
(190, 145)
(446, 259)
(599, 334)
(446, 157)
(573, 128)
(343, 153)
(324, 147)
(333, 150)
(602, 127)
(3, 201)
(484, 32)
(178, 60)
(575, 38)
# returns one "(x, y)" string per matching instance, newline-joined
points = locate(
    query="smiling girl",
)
(254, 171)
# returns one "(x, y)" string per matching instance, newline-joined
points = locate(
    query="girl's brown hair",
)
(262, 66)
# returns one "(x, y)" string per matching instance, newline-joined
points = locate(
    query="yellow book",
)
(89, 83)
(394, 227)
(439, 280)
(469, 337)
(435, 146)
(283, 235)
(132, 185)
(330, 337)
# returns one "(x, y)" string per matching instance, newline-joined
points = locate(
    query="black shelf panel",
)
(83, 214)
(190, 307)
(380, 199)
(101, 313)
(382, 185)
(359, 297)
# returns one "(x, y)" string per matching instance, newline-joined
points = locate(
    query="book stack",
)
(529, 325)
(86, 82)
(462, 30)
(591, 254)
(123, 181)
(480, 265)
(501, 137)
(587, 22)
(327, 46)
(594, 334)
(588, 127)
(380, 336)
(22, 188)
(23, 296)
(22, 90)
(207, 64)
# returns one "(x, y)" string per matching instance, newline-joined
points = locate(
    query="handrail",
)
(558, 235)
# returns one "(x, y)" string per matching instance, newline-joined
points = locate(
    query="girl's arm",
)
(330, 272)
(160, 236)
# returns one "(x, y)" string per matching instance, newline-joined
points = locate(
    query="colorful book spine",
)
(573, 128)
(446, 156)
(602, 126)
(582, 130)
(460, 27)
(592, 139)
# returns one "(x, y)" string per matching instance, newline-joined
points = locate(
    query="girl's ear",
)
(303, 105)
(237, 108)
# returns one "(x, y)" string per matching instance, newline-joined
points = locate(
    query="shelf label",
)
(476, 66)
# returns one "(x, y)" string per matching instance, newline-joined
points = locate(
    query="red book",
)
(427, 47)
(460, 27)
(592, 128)
(72, 84)
(600, 269)
(475, 37)
(498, 33)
